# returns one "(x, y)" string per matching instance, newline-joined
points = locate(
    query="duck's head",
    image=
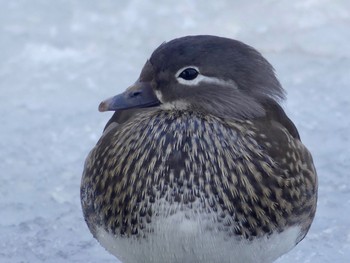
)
(214, 75)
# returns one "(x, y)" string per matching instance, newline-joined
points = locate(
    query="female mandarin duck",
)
(199, 162)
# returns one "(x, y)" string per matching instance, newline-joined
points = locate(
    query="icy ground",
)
(59, 59)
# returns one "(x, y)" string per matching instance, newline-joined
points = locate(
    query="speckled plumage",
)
(242, 177)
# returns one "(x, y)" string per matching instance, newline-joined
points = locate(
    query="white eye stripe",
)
(202, 78)
(193, 82)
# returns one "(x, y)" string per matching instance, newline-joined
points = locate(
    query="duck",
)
(199, 162)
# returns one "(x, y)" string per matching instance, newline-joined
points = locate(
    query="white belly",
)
(180, 239)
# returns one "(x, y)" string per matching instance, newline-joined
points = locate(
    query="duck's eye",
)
(189, 74)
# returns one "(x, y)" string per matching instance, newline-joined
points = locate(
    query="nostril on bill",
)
(135, 93)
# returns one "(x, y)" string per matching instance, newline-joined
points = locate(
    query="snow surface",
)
(59, 59)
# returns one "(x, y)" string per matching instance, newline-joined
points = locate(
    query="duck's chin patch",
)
(175, 105)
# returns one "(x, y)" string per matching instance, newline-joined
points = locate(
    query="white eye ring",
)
(190, 82)
(189, 74)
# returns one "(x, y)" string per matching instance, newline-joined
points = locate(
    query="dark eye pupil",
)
(189, 74)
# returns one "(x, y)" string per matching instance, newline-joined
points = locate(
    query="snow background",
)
(59, 59)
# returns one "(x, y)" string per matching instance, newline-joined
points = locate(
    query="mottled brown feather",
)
(259, 176)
